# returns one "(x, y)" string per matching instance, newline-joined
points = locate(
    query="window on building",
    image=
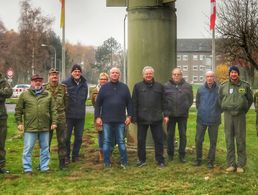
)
(195, 57)
(202, 68)
(195, 67)
(185, 68)
(185, 57)
(178, 66)
(178, 57)
(202, 57)
(195, 78)
(201, 78)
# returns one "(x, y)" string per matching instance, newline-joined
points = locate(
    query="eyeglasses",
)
(103, 79)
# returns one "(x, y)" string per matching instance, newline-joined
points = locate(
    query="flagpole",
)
(63, 43)
(213, 50)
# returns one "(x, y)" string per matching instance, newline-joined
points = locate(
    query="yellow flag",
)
(62, 13)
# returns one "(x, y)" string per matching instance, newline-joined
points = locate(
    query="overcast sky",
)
(90, 22)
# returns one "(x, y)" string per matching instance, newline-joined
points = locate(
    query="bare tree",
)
(34, 29)
(238, 29)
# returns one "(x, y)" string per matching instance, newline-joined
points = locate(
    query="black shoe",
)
(141, 163)
(4, 171)
(197, 163)
(210, 165)
(61, 164)
(182, 159)
(75, 159)
(170, 157)
(161, 165)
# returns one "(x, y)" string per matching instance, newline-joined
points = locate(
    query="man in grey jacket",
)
(208, 116)
(179, 98)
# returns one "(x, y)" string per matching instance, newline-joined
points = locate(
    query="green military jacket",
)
(256, 101)
(60, 96)
(5, 92)
(235, 98)
(37, 112)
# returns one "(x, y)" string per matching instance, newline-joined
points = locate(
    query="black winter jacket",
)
(148, 102)
(179, 98)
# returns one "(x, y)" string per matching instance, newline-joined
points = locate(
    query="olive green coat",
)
(5, 92)
(235, 98)
(36, 112)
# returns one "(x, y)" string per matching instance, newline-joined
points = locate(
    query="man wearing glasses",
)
(179, 98)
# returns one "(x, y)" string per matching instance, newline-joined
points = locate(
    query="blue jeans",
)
(77, 125)
(101, 141)
(109, 130)
(29, 142)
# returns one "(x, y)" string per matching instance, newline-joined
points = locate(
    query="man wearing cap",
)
(35, 114)
(75, 114)
(5, 92)
(235, 100)
(59, 94)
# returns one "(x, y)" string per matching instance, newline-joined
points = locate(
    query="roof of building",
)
(194, 45)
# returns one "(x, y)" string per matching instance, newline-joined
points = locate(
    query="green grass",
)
(88, 176)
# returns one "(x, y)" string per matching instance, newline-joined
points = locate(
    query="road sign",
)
(10, 73)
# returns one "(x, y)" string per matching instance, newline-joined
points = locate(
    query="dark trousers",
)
(182, 125)
(157, 134)
(61, 139)
(3, 133)
(199, 138)
(77, 125)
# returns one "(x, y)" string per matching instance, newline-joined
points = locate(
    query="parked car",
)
(19, 88)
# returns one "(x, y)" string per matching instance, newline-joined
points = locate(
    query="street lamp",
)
(44, 45)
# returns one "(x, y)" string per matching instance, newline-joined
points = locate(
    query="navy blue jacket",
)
(207, 104)
(77, 96)
(112, 101)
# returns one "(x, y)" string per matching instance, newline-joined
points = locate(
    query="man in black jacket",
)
(179, 98)
(148, 104)
(77, 89)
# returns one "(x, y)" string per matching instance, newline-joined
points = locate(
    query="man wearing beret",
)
(235, 100)
(75, 114)
(5, 92)
(35, 114)
(59, 94)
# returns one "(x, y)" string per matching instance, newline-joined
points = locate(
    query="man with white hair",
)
(110, 111)
(208, 116)
(148, 104)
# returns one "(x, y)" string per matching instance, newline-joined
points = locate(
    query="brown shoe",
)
(240, 170)
(101, 156)
(231, 169)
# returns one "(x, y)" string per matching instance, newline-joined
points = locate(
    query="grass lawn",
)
(89, 177)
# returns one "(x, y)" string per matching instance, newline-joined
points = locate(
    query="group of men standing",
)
(53, 106)
(154, 104)
(61, 107)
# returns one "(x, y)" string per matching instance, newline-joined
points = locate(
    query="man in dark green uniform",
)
(235, 99)
(5, 92)
(256, 110)
(59, 94)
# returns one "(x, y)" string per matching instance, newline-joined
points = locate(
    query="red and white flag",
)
(213, 14)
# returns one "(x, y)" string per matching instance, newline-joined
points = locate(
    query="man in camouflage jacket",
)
(59, 94)
(5, 92)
